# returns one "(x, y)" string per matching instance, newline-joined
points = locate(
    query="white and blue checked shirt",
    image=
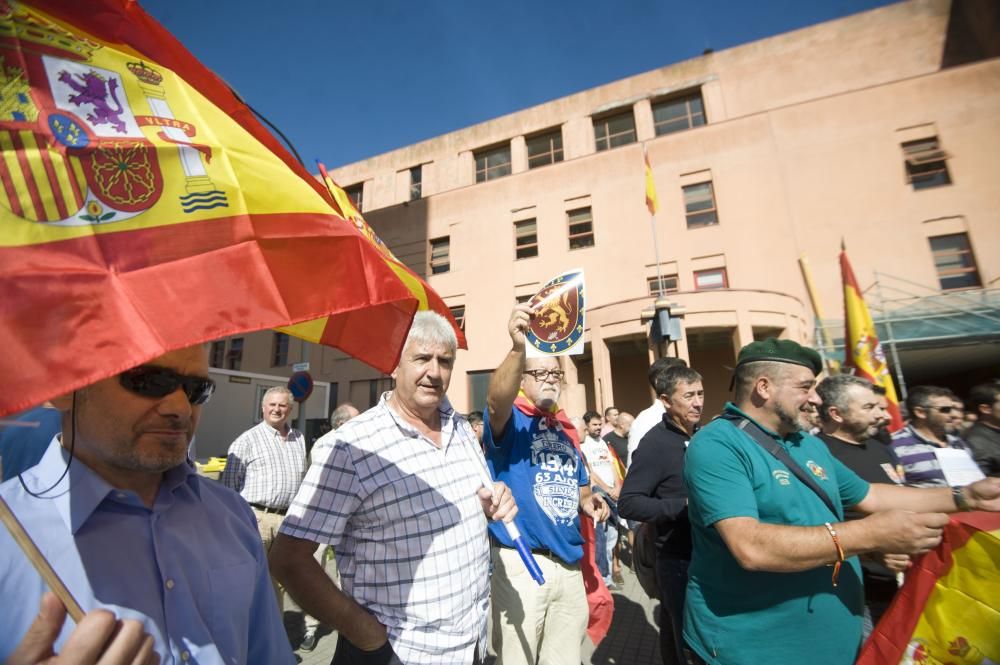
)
(265, 467)
(408, 529)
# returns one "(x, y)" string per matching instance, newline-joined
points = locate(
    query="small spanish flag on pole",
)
(863, 351)
(652, 204)
(651, 201)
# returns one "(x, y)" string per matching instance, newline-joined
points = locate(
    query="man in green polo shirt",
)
(774, 574)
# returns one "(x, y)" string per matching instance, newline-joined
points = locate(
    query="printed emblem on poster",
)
(556, 329)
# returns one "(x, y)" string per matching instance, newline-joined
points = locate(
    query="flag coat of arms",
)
(143, 208)
(862, 349)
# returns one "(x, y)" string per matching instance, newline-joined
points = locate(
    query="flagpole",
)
(892, 340)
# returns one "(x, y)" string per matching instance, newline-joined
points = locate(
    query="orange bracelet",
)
(840, 551)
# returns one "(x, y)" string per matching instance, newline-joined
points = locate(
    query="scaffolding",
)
(910, 315)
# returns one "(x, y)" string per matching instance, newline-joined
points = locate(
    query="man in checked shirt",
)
(266, 464)
(399, 492)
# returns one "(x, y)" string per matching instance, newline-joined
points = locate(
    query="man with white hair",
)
(402, 494)
(266, 464)
(531, 446)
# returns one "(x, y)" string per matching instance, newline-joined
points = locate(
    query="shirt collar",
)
(78, 493)
(445, 411)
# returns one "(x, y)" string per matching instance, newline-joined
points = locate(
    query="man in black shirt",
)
(851, 415)
(617, 438)
(984, 436)
(654, 492)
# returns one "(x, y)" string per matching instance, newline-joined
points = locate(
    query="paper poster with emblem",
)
(557, 321)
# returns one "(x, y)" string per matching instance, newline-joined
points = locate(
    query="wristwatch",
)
(958, 494)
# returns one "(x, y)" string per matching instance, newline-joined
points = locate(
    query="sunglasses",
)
(942, 409)
(156, 382)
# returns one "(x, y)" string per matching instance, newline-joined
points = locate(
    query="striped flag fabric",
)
(319, 330)
(861, 345)
(652, 202)
(143, 208)
(948, 610)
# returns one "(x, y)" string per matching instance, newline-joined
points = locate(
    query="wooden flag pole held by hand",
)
(39, 562)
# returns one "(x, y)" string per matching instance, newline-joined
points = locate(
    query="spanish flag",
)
(652, 203)
(862, 348)
(143, 208)
(427, 299)
(948, 611)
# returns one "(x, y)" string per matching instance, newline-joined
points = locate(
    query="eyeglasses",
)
(942, 409)
(543, 374)
(150, 381)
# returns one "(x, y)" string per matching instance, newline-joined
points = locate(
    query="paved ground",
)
(632, 640)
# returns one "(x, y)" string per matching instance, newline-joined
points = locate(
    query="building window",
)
(279, 350)
(459, 313)
(217, 354)
(416, 182)
(678, 113)
(954, 262)
(545, 149)
(699, 205)
(925, 164)
(234, 358)
(493, 163)
(667, 284)
(356, 193)
(612, 131)
(705, 280)
(440, 255)
(479, 384)
(581, 228)
(526, 238)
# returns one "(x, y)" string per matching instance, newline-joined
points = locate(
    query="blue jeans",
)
(672, 574)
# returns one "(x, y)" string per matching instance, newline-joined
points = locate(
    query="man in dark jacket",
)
(654, 492)
(984, 436)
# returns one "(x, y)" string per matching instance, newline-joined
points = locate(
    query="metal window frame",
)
(725, 279)
(686, 99)
(651, 281)
(519, 237)
(443, 262)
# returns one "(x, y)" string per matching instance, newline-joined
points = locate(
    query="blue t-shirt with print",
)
(543, 470)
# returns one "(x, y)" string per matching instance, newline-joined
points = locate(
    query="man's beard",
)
(788, 419)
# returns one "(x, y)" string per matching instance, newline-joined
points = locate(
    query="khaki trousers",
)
(534, 624)
(267, 525)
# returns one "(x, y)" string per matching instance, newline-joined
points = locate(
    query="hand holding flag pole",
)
(515, 534)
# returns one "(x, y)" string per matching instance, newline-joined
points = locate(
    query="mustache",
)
(167, 426)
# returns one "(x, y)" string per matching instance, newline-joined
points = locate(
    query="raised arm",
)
(506, 380)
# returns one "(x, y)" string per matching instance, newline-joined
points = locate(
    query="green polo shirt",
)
(735, 616)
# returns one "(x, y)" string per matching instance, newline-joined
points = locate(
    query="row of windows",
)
(610, 131)
(925, 161)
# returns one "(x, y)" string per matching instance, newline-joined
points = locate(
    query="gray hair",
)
(431, 327)
(342, 414)
(667, 381)
(746, 375)
(275, 390)
(833, 391)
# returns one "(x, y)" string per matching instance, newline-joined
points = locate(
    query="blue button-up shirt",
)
(191, 568)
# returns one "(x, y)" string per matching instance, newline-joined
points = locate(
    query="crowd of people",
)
(780, 526)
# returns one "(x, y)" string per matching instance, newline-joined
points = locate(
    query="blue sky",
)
(345, 81)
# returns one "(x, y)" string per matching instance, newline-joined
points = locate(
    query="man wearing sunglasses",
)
(929, 429)
(532, 447)
(136, 535)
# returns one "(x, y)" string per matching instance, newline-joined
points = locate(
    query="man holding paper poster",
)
(928, 452)
(531, 446)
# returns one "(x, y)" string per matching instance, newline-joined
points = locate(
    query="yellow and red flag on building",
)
(948, 611)
(863, 350)
(652, 203)
(143, 208)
